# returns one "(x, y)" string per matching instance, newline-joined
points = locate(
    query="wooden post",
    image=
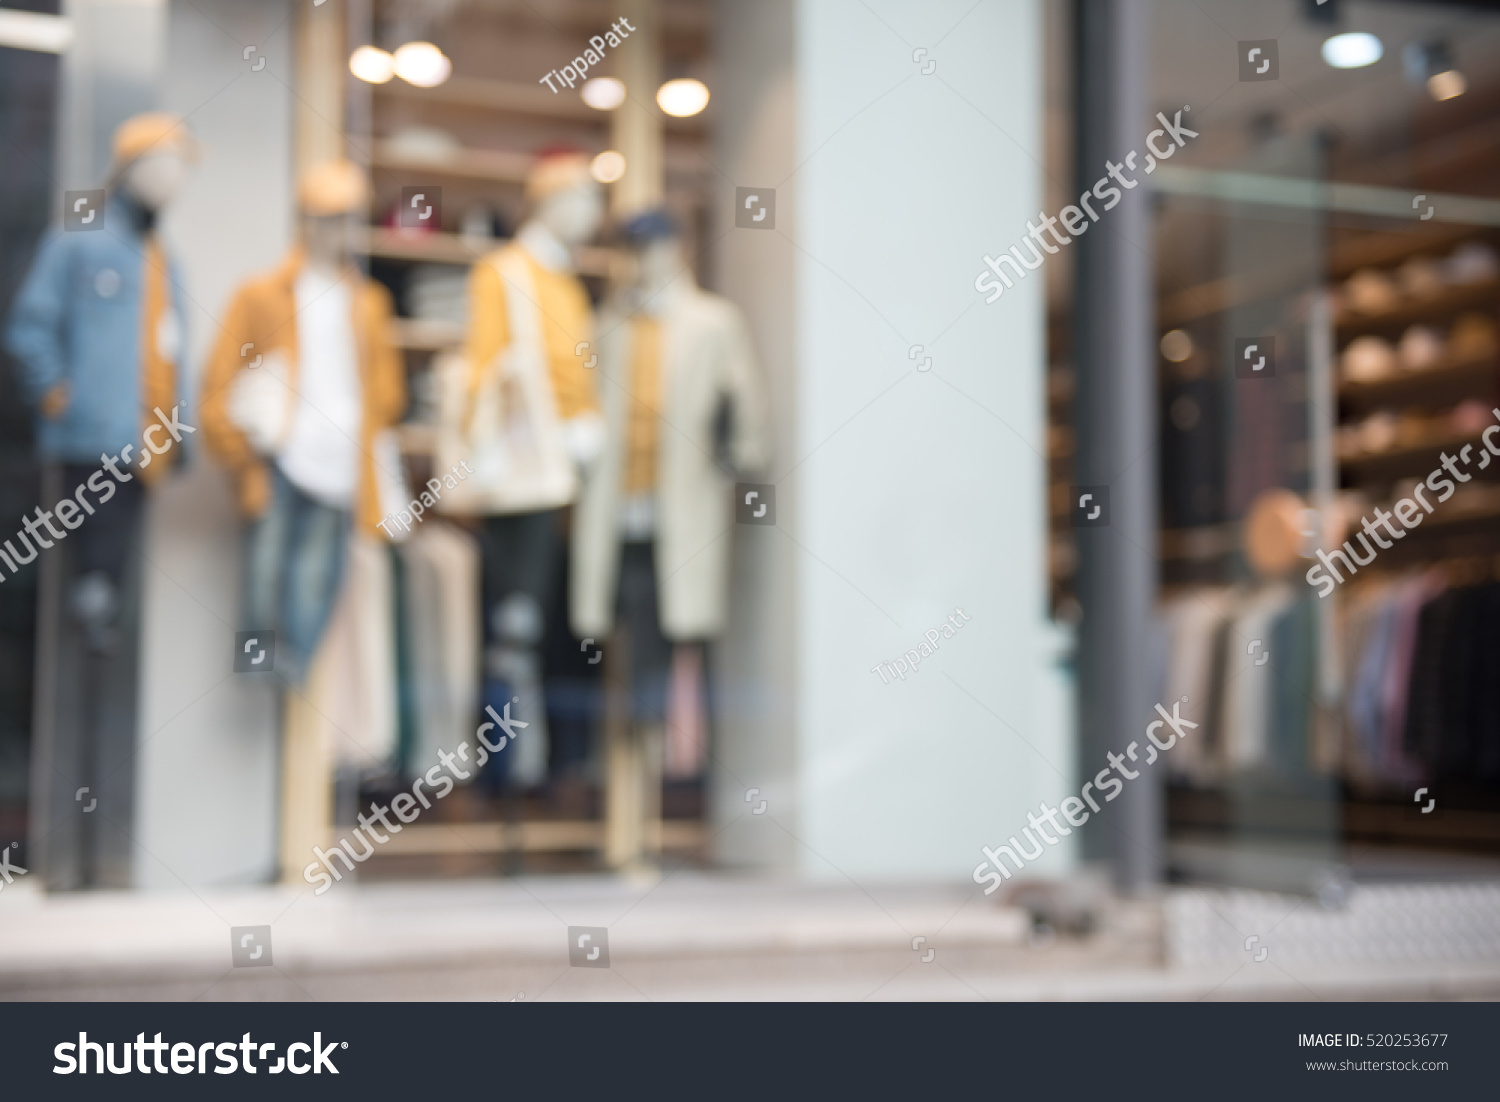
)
(636, 125)
(306, 758)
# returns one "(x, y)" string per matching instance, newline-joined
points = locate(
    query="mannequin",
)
(97, 334)
(685, 414)
(525, 416)
(302, 379)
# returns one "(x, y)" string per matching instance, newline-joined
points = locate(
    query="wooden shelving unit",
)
(1444, 384)
(451, 248)
(1455, 300)
(476, 137)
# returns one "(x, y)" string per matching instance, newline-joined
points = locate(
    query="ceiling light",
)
(603, 93)
(1446, 85)
(422, 64)
(372, 64)
(1176, 345)
(682, 98)
(608, 167)
(1352, 50)
(24, 30)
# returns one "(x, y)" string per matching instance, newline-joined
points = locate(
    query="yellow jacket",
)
(566, 322)
(263, 315)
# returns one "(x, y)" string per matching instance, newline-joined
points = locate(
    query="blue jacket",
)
(77, 319)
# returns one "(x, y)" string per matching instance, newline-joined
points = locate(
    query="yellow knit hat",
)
(153, 132)
(333, 187)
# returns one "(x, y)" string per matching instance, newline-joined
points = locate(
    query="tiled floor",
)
(713, 936)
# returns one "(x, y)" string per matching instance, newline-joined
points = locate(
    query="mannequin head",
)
(151, 154)
(331, 194)
(327, 239)
(154, 179)
(657, 248)
(660, 262)
(573, 215)
(565, 198)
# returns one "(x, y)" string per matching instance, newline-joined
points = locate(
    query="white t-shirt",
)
(321, 454)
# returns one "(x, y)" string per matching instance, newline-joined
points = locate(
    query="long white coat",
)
(706, 353)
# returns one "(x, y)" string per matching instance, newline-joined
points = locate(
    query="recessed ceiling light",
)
(1352, 50)
(603, 93)
(372, 64)
(422, 64)
(682, 98)
(608, 166)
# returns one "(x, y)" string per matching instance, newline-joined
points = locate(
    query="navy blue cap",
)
(649, 225)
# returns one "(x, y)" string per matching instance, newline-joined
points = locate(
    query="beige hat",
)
(153, 132)
(554, 172)
(333, 187)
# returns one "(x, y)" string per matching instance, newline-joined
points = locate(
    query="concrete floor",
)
(690, 936)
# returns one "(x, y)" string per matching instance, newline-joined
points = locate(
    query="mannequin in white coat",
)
(684, 414)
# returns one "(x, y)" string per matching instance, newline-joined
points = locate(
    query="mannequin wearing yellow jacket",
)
(303, 378)
(527, 421)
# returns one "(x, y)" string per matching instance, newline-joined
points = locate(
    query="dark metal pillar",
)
(1115, 421)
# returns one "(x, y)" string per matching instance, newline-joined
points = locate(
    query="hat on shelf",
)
(333, 187)
(152, 132)
(1420, 348)
(1367, 359)
(1420, 278)
(1471, 262)
(556, 169)
(1370, 292)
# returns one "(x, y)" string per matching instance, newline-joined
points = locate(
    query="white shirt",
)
(544, 247)
(321, 453)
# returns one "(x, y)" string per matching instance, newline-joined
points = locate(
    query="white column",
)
(206, 775)
(902, 494)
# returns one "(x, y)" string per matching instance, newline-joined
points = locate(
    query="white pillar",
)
(902, 494)
(207, 770)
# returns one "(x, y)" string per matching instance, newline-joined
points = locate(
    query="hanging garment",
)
(1293, 660)
(1486, 715)
(1370, 618)
(441, 573)
(1251, 676)
(1395, 763)
(1193, 621)
(687, 714)
(356, 695)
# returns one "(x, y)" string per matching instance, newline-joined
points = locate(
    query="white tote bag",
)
(511, 436)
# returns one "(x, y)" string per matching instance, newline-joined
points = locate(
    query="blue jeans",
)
(294, 562)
